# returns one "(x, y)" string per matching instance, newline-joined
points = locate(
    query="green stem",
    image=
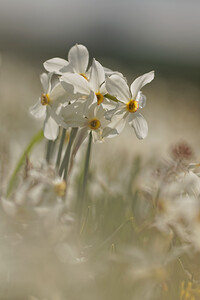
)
(36, 139)
(49, 150)
(81, 193)
(60, 148)
(86, 167)
(108, 96)
(65, 162)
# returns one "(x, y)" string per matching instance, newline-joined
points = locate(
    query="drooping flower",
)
(130, 101)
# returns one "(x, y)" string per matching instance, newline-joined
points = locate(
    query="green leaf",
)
(36, 139)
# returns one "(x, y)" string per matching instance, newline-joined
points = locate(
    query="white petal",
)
(51, 128)
(109, 114)
(109, 132)
(100, 112)
(119, 121)
(140, 126)
(141, 81)
(91, 112)
(97, 76)
(109, 72)
(55, 65)
(54, 112)
(117, 87)
(38, 110)
(103, 89)
(141, 99)
(62, 95)
(46, 82)
(78, 56)
(79, 83)
(97, 136)
(81, 136)
(67, 69)
(71, 117)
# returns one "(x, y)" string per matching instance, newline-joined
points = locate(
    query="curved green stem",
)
(36, 139)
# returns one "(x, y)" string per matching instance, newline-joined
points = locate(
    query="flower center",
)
(45, 99)
(60, 188)
(84, 76)
(132, 106)
(99, 98)
(94, 124)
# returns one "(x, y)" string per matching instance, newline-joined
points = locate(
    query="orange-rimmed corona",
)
(99, 98)
(132, 106)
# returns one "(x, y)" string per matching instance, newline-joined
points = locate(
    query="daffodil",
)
(48, 105)
(130, 101)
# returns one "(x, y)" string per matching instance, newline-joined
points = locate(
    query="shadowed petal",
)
(140, 126)
(78, 56)
(97, 76)
(55, 65)
(141, 81)
(38, 110)
(141, 99)
(117, 87)
(80, 84)
(46, 82)
(51, 128)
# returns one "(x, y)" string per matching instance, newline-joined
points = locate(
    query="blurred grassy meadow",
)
(136, 235)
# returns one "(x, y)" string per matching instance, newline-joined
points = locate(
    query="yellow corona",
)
(99, 98)
(94, 124)
(132, 106)
(45, 99)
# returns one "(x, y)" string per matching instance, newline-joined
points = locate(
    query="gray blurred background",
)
(131, 36)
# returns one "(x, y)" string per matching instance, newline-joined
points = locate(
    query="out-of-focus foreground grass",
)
(138, 234)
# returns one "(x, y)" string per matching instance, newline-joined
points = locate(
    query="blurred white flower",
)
(179, 209)
(130, 101)
(48, 106)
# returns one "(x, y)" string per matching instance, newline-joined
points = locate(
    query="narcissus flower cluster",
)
(93, 99)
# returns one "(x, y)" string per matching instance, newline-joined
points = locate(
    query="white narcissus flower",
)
(78, 58)
(96, 83)
(89, 117)
(130, 101)
(48, 105)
